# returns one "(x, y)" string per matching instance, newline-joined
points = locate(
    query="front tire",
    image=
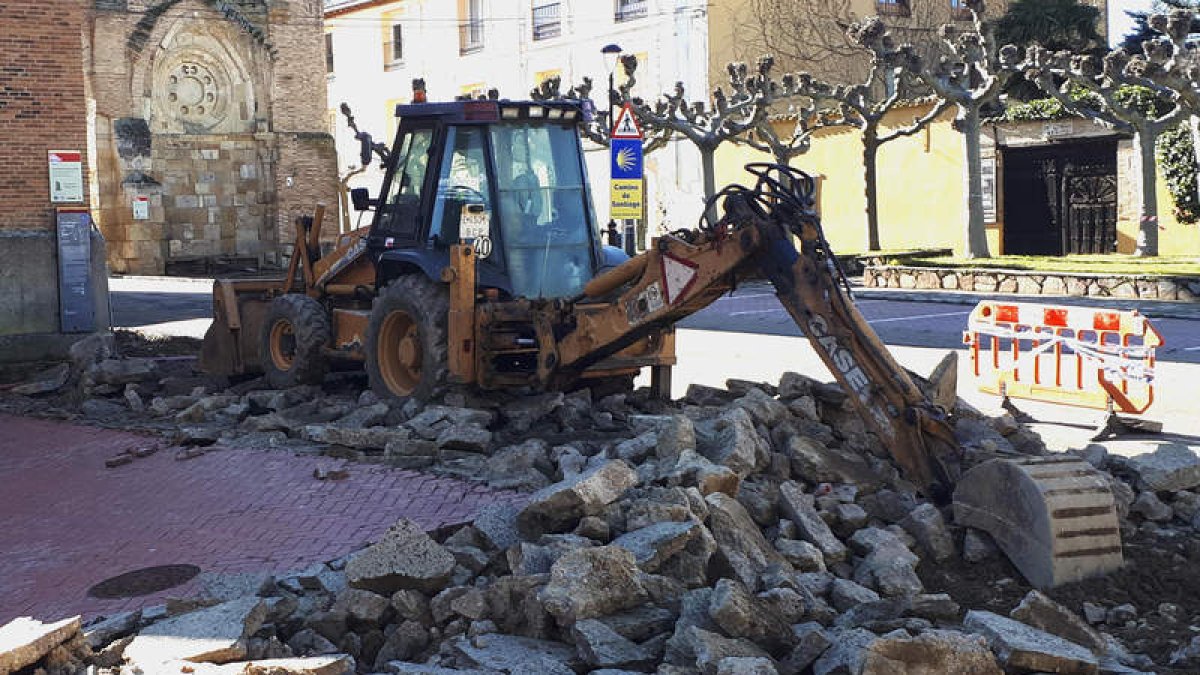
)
(294, 334)
(407, 339)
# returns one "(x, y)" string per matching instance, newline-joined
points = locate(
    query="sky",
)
(1119, 22)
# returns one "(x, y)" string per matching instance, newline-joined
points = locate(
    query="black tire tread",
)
(429, 303)
(310, 323)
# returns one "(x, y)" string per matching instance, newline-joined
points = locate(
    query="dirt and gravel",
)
(758, 528)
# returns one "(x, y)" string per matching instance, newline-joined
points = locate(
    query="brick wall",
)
(42, 103)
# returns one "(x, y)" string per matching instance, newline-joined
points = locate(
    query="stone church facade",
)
(209, 132)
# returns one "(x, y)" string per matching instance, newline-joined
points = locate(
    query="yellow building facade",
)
(922, 185)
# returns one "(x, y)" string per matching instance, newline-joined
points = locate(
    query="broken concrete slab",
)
(24, 640)
(592, 582)
(602, 647)
(1025, 648)
(515, 654)
(558, 507)
(216, 634)
(653, 545)
(798, 507)
(934, 652)
(1172, 467)
(742, 551)
(404, 558)
(1038, 610)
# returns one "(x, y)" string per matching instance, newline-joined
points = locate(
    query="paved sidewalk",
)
(67, 522)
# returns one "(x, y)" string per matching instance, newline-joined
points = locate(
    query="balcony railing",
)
(547, 22)
(470, 36)
(627, 10)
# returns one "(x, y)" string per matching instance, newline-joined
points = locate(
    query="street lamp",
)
(612, 54)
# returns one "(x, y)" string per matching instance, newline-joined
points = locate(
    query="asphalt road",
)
(748, 335)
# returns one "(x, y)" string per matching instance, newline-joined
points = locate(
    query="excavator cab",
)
(507, 178)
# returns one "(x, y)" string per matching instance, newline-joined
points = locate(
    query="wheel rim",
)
(283, 344)
(399, 353)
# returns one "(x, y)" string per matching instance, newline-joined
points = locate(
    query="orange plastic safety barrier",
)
(1080, 356)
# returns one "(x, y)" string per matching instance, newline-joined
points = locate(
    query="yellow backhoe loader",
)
(482, 266)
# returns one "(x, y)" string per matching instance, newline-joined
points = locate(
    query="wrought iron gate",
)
(1090, 205)
(1061, 199)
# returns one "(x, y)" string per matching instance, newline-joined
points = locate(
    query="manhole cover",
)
(144, 581)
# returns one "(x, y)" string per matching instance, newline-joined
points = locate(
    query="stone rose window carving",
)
(194, 93)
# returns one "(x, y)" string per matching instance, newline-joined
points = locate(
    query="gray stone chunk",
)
(215, 634)
(497, 524)
(641, 623)
(366, 416)
(362, 606)
(1039, 611)
(601, 647)
(846, 655)
(592, 582)
(934, 652)
(811, 642)
(798, 507)
(742, 551)
(405, 558)
(1173, 466)
(710, 648)
(746, 665)
(514, 654)
(652, 546)
(845, 594)
(465, 437)
(802, 555)
(111, 628)
(558, 507)
(978, 546)
(741, 615)
(735, 443)
(1150, 507)
(926, 525)
(1024, 648)
(373, 437)
(24, 641)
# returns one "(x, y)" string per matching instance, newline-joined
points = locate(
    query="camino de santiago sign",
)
(625, 152)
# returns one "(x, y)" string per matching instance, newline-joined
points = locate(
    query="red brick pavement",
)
(67, 522)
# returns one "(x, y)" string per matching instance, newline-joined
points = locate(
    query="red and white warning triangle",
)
(678, 276)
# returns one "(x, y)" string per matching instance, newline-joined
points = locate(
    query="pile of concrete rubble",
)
(754, 530)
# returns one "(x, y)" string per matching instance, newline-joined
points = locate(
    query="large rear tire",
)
(407, 339)
(294, 334)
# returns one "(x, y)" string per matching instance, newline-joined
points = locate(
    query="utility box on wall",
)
(75, 289)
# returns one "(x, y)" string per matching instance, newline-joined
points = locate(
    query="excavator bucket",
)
(231, 345)
(1054, 517)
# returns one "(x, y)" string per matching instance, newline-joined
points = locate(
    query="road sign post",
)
(627, 192)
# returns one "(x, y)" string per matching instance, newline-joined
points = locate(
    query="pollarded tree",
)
(1115, 102)
(707, 127)
(598, 127)
(1167, 60)
(970, 74)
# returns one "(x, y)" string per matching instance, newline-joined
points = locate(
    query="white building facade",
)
(466, 47)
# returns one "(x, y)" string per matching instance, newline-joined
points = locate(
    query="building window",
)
(547, 22)
(470, 31)
(893, 7)
(627, 10)
(959, 10)
(393, 49)
(329, 52)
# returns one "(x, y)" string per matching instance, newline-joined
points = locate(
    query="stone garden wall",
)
(1032, 283)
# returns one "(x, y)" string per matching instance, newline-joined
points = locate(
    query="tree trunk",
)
(870, 140)
(710, 179)
(1194, 125)
(1147, 241)
(976, 234)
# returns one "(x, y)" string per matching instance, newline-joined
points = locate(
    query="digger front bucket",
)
(1054, 517)
(231, 345)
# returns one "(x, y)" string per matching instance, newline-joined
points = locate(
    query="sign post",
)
(626, 174)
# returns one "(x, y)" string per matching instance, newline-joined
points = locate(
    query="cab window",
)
(463, 210)
(544, 218)
(402, 208)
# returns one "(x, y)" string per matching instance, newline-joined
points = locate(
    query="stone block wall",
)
(214, 114)
(1032, 283)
